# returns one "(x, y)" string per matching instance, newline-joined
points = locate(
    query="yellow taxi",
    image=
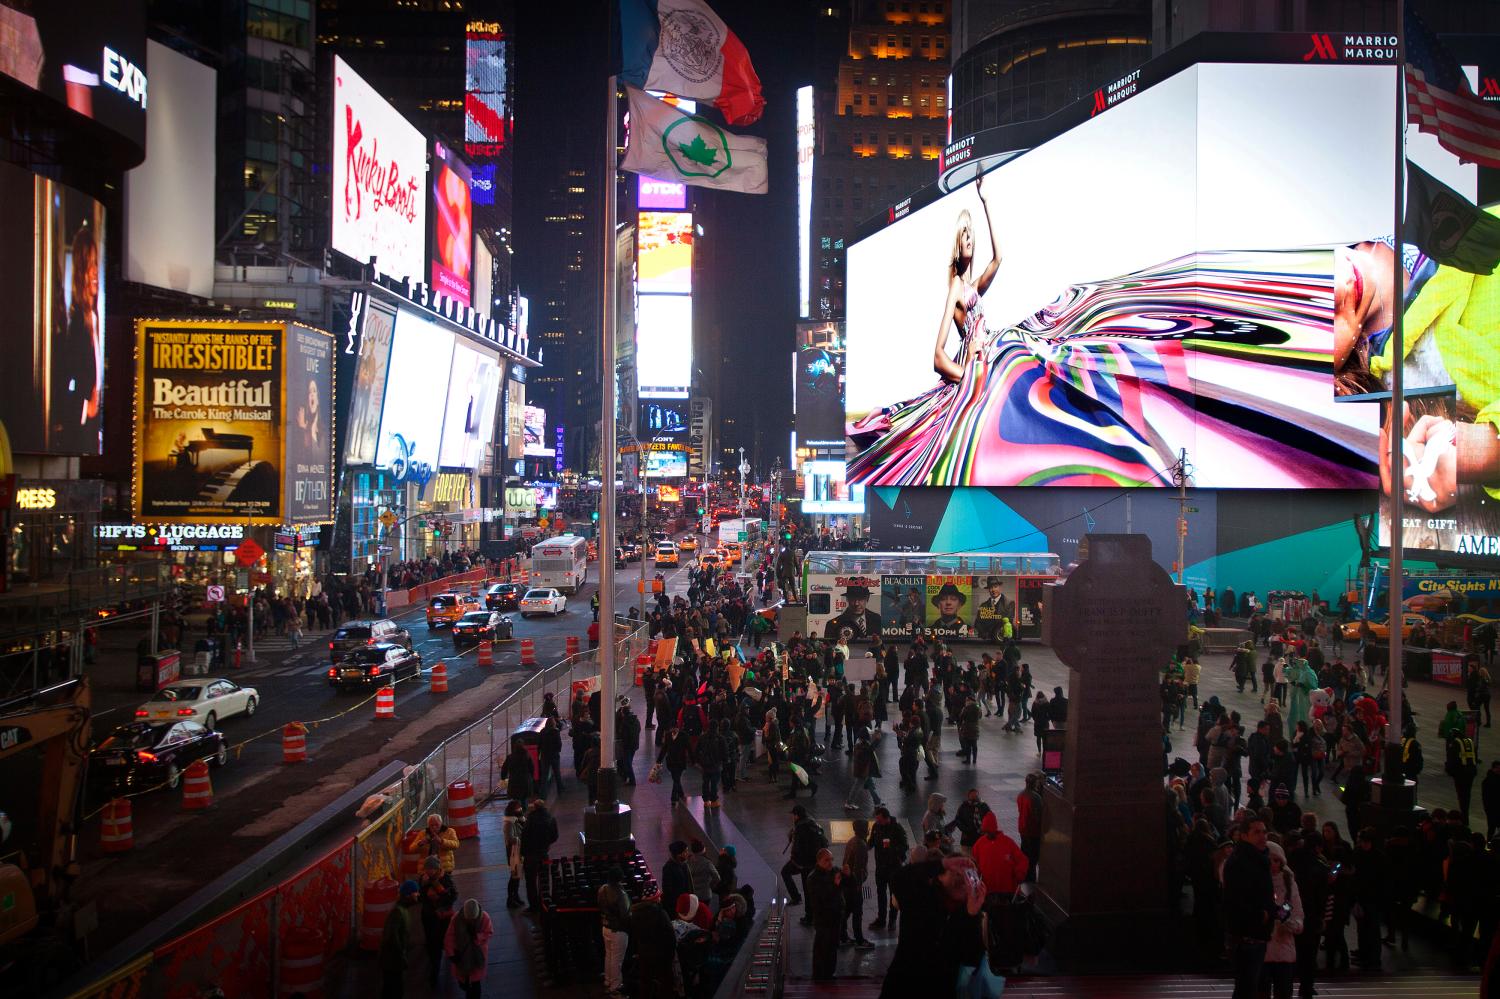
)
(734, 551)
(688, 544)
(1382, 629)
(446, 608)
(711, 560)
(666, 553)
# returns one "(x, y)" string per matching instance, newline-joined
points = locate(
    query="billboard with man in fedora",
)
(946, 597)
(862, 622)
(997, 607)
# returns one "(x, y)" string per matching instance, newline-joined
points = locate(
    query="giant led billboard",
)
(452, 226)
(818, 385)
(379, 180)
(664, 345)
(487, 121)
(807, 137)
(473, 393)
(374, 324)
(212, 420)
(52, 267)
(411, 422)
(1158, 280)
(664, 253)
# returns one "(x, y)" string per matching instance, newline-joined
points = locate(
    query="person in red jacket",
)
(1001, 862)
(1029, 821)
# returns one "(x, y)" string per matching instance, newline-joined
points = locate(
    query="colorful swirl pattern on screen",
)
(1219, 353)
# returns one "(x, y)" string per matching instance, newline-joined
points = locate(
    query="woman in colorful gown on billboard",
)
(1217, 353)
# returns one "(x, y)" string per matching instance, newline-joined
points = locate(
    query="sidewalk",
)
(756, 819)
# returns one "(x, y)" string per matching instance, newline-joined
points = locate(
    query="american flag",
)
(1438, 99)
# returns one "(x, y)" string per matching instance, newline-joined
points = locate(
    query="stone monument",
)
(1114, 621)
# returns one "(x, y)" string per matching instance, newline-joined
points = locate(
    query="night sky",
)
(749, 277)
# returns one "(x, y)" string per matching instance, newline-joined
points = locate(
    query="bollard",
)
(197, 789)
(385, 703)
(294, 743)
(439, 682)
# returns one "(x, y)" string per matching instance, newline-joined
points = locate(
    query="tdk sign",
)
(124, 76)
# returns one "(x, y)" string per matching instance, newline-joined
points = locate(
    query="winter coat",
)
(468, 947)
(888, 844)
(1000, 860)
(807, 840)
(704, 873)
(1248, 898)
(933, 820)
(443, 845)
(968, 722)
(676, 881)
(538, 834)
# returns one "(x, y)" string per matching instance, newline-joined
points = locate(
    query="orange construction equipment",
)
(486, 652)
(461, 813)
(385, 703)
(528, 652)
(294, 743)
(439, 682)
(116, 834)
(302, 951)
(380, 899)
(197, 790)
(572, 645)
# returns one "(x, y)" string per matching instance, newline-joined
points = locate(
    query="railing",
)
(477, 753)
(29, 610)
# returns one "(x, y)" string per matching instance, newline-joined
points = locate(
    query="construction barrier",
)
(197, 789)
(642, 663)
(461, 812)
(116, 835)
(380, 899)
(385, 703)
(439, 682)
(294, 743)
(474, 589)
(486, 653)
(301, 965)
(411, 853)
(572, 645)
(528, 652)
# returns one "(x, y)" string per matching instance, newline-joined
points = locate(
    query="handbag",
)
(654, 777)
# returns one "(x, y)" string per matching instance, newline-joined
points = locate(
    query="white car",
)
(543, 601)
(201, 701)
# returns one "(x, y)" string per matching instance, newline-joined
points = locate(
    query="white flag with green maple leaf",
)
(665, 143)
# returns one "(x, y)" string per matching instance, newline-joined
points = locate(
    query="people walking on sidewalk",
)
(468, 947)
(438, 896)
(515, 821)
(537, 837)
(395, 941)
(614, 915)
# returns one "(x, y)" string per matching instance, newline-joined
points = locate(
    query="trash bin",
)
(153, 672)
(529, 732)
(207, 657)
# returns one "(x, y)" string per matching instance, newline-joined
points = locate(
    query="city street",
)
(256, 796)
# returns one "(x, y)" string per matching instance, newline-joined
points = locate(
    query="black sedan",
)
(478, 625)
(504, 596)
(142, 755)
(380, 665)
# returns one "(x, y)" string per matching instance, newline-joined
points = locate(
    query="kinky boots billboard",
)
(216, 423)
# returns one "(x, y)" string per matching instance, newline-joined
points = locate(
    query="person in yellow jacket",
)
(1191, 673)
(440, 841)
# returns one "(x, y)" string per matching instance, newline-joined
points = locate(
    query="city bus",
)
(561, 563)
(963, 596)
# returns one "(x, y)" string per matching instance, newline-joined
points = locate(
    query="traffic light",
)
(437, 530)
(786, 534)
(595, 516)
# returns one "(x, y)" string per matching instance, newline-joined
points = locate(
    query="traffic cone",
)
(385, 703)
(197, 789)
(116, 834)
(439, 682)
(294, 743)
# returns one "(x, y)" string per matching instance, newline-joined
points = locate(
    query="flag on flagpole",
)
(1445, 226)
(1438, 99)
(682, 47)
(670, 145)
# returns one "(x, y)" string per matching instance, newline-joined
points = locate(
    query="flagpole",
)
(1396, 425)
(610, 825)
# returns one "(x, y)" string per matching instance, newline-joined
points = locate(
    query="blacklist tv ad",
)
(209, 422)
(309, 437)
(51, 281)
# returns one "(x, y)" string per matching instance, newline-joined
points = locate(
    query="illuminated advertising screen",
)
(376, 327)
(52, 267)
(664, 253)
(665, 421)
(819, 384)
(664, 345)
(309, 427)
(411, 424)
(515, 419)
(660, 195)
(1089, 331)
(482, 183)
(806, 145)
(87, 55)
(211, 421)
(534, 427)
(666, 464)
(379, 180)
(452, 225)
(473, 393)
(487, 121)
(825, 490)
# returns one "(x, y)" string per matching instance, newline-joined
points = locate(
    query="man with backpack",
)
(806, 839)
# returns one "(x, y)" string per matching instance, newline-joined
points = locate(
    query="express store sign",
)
(169, 537)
